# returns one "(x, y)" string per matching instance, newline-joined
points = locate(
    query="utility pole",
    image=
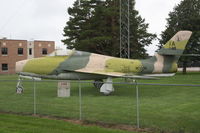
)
(125, 28)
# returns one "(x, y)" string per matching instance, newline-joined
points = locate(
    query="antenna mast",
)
(124, 28)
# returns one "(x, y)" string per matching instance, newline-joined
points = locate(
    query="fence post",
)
(137, 105)
(80, 102)
(34, 97)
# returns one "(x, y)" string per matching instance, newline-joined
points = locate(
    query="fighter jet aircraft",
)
(79, 65)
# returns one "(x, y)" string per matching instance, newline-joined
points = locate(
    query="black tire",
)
(98, 83)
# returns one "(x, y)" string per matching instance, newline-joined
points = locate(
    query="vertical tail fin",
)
(176, 45)
(165, 61)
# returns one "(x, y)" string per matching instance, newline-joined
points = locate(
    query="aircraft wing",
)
(117, 74)
(139, 77)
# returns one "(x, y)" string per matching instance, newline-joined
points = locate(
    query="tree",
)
(185, 16)
(94, 27)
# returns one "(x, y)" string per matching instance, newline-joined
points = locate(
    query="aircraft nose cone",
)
(20, 65)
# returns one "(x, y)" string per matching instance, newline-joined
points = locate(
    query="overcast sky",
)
(45, 19)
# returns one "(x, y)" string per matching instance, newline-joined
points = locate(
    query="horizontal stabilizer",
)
(195, 55)
(171, 52)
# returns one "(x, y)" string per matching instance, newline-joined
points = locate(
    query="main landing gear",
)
(105, 87)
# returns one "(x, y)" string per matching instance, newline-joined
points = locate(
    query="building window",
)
(44, 51)
(4, 67)
(4, 51)
(20, 51)
(30, 51)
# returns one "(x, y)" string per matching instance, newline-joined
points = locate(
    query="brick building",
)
(12, 51)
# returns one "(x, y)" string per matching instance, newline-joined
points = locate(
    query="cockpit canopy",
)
(60, 52)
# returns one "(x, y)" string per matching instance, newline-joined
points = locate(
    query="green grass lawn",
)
(167, 108)
(26, 124)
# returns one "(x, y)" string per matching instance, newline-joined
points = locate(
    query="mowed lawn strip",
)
(168, 108)
(10, 123)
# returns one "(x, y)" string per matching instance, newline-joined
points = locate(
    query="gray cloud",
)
(45, 19)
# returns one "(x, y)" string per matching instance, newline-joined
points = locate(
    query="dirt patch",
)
(87, 123)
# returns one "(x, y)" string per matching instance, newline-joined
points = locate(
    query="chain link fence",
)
(138, 104)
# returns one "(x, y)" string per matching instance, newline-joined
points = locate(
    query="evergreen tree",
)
(94, 27)
(185, 16)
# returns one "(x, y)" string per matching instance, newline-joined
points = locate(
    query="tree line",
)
(185, 16)
(94, 26)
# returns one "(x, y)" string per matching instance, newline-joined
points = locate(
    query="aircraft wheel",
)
(98, 83)
(19, 89)
(107, 93)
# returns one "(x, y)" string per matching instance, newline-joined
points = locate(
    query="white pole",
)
(137, 105)
(34, 97)
(80, 101)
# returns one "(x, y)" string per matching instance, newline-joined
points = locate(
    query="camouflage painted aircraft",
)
(80, 65)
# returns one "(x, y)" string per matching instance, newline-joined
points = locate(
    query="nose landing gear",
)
(19, 87)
